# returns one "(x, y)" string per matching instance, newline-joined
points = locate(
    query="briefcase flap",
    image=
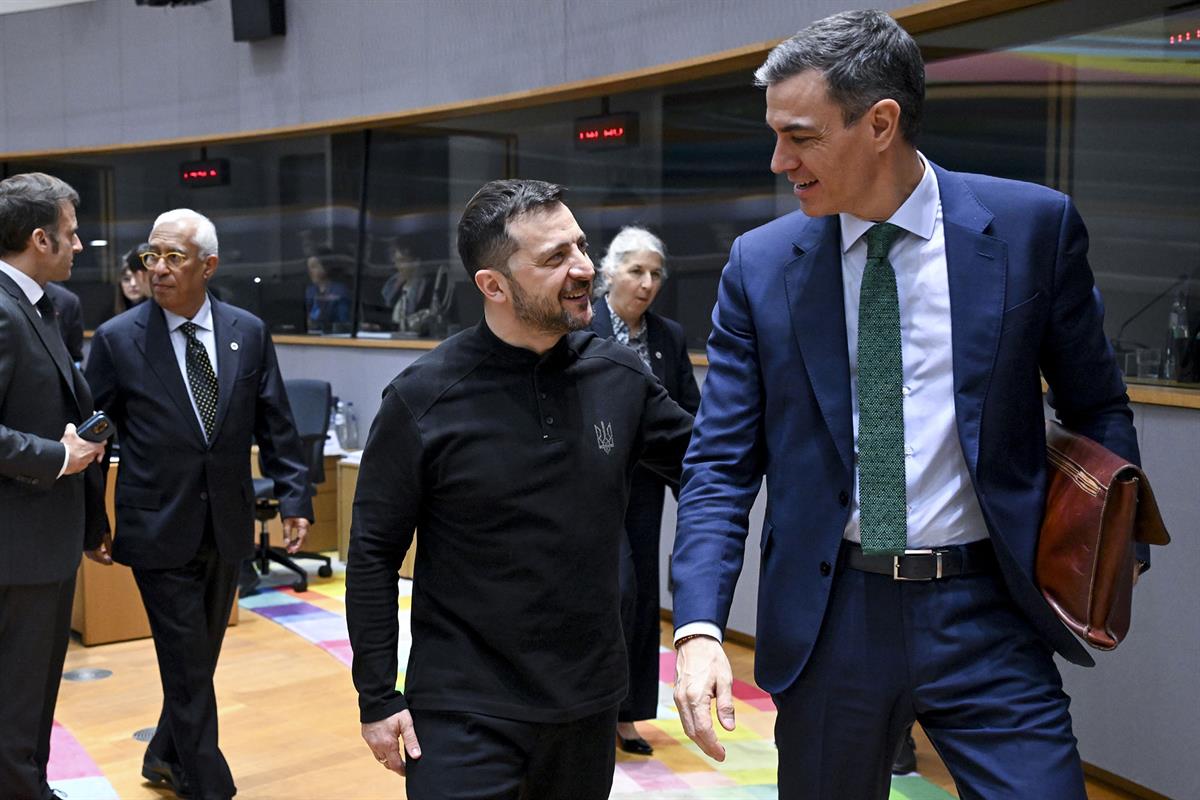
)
(1095, 468)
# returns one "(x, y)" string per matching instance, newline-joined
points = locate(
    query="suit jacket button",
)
(204, 496)
(826, 568)
(844, 499)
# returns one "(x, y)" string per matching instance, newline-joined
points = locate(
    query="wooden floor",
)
(289, 718)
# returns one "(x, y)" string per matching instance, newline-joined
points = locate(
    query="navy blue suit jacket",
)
(171, 477)
(777, 402)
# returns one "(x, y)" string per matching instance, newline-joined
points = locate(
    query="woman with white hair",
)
(633, 271)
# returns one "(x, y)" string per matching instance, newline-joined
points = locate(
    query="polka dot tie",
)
(883, 520)
(201, 378)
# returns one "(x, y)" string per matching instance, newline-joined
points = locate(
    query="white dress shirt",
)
(206, 335)
(942, 507)
(34, 291)
(941, 503)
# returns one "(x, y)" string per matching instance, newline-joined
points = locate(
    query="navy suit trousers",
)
(954, 654)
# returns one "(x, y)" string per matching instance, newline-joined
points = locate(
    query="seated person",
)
(327, 298)
(409, 294)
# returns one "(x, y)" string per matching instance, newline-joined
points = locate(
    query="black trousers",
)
(189, 609)
(640, 614)
(477, 757)
(35, 627)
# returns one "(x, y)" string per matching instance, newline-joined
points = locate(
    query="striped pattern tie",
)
(883, 521)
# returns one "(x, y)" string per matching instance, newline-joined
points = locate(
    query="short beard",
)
(543, 316)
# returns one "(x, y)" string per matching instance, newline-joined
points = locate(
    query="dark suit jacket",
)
(777, 402)
(44, 520)
(170, 477)
(70, 318)
(668, 354)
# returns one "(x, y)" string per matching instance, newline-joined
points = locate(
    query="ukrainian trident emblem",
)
(604, 437)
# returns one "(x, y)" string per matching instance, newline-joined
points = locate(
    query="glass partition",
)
(1097, 100)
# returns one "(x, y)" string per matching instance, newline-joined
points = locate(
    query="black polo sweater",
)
(515, 469)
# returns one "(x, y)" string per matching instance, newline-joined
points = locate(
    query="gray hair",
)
(630, 239)
(865, 57)
(204, 233)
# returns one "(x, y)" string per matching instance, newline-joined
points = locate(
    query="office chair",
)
(311, 402)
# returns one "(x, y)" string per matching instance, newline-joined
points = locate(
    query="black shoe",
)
(906, 755)
(637, 745)
(157, 771)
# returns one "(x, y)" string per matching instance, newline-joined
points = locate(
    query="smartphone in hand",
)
(96, 429)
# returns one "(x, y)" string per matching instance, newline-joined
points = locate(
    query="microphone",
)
(1117, 340)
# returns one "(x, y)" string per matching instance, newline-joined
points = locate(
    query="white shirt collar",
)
(202, 318)
(917, 214)
(29, 286)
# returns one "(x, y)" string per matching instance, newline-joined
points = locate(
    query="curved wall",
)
(110, 72)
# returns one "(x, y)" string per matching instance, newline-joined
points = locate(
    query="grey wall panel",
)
(111, 72)
(1135, 712)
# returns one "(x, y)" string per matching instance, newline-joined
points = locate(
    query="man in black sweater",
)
(510, 447)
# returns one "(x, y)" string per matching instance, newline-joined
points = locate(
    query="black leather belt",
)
(925, 565)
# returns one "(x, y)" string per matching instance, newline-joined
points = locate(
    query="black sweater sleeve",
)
(386, 506)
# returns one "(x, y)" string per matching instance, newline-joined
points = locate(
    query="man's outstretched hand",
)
(702, 673)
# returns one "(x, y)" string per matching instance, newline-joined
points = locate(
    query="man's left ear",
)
(884, 119)
(210, 266)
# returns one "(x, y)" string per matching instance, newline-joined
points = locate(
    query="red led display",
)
(213, 172)
(610, 131)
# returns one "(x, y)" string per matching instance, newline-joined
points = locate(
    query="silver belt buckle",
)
(896, 576)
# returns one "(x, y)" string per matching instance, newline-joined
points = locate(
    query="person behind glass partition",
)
(327, 298)
(418, 300)
(633, 272)
(133, 286)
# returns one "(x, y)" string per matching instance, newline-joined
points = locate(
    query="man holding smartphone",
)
(50, 483)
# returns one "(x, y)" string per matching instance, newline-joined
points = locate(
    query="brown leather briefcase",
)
(1097, 506)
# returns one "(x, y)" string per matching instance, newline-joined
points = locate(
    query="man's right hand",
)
(702, 673)
(384, 736)
(80, 453)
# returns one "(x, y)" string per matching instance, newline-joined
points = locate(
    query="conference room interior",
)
(1100, 100)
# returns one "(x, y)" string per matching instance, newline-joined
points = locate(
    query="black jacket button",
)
(844, 499)
(204, 496)
(825, 568)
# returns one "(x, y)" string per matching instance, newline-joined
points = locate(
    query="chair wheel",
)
(300, 586)
(325, 571)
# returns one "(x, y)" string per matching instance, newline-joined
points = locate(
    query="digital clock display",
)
(211, 172)
(608, 132)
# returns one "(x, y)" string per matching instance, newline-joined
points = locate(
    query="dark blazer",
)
(777, 402)
(70, 318)
(45, 519)
(668, 353)
(170, 477)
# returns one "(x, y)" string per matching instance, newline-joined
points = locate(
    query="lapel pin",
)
(233, 345)
(658, 353)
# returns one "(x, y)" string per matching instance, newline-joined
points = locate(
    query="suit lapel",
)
(229, 358)
(601, 321)
(47, 331)
(977, 267)
(656, 342)
(155, 344)
(813, 282)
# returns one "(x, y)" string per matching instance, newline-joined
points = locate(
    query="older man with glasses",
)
(190, 382)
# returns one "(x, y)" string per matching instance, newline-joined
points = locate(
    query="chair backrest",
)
(311, 402)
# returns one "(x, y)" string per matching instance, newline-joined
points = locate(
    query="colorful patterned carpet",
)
(678, 770)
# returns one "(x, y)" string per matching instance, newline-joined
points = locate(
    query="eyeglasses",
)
(174, 259)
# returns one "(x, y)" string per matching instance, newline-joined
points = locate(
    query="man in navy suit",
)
(878, 355)
(191, 382)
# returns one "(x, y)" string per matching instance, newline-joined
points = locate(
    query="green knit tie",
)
(883, 522)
